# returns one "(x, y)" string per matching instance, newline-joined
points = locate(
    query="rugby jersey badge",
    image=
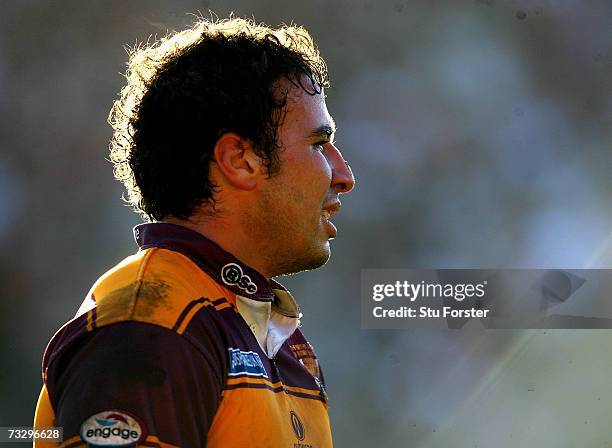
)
(305, 354)
(112, 428)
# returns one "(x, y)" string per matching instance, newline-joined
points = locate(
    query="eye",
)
(320, 146)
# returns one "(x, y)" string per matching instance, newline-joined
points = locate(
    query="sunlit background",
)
(479, 133)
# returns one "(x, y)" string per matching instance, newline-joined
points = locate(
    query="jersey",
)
(184, 345)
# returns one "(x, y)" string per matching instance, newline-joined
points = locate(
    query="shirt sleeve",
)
(133, 376)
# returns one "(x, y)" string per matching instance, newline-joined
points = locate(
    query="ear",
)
(237, 161)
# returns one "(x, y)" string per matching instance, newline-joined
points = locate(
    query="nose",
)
(343, 180)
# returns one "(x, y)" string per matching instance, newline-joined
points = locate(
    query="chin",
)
(320, 261)
(313, 259)
(320, 256)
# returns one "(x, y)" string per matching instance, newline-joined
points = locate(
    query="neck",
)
(230, 237)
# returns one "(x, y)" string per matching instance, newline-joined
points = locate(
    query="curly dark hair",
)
(186, 90)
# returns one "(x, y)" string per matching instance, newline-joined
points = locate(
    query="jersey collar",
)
(222, 266)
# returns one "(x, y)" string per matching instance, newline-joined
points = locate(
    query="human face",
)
(299, 200)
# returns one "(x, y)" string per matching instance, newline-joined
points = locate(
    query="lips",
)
(331, 209)
(327, 212)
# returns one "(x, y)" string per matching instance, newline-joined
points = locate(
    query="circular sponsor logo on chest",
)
(298, 427)
(112, 428)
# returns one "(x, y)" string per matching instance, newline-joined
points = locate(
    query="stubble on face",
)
(287, 221)
(294, 234)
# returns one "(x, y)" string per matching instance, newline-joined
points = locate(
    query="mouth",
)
(331, 209)
(327, 212)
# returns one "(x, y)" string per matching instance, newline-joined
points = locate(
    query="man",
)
(223, 140)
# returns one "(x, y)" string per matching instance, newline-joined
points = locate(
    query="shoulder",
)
(155, 286)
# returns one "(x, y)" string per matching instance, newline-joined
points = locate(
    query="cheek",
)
(317, 173)
(308, 183)
(314, 192)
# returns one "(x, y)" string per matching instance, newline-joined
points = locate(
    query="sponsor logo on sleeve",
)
(246, 363)
(232, 275)
(112, 428)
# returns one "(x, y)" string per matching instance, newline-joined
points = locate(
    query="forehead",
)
(304, 110)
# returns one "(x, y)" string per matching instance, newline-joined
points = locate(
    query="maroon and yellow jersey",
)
(183, 345)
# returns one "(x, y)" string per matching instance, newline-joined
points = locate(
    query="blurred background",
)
(479, 132)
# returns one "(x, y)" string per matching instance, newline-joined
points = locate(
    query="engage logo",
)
(112, 428)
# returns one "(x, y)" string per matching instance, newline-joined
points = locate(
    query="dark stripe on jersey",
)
(274, 389)
(254, 386)
(186, 311)
(303, 395)
(219, 301)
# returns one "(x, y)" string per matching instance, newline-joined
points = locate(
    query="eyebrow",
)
(326, 130)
